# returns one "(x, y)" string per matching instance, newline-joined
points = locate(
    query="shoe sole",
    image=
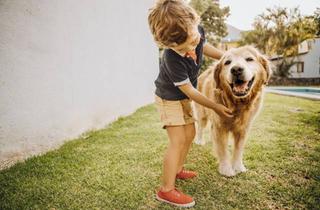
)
(187, 205)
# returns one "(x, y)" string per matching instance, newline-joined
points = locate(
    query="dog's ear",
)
(264, 62)
(216, 74)
(267, 67)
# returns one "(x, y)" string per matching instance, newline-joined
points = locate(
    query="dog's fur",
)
(215, 83)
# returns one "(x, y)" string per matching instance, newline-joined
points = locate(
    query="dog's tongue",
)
(240, 87)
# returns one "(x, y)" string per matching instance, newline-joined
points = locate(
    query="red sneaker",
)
(184, 174)
(175, 197)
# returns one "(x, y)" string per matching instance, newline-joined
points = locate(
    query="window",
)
(300, 67)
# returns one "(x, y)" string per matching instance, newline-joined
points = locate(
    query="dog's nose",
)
(236, 70)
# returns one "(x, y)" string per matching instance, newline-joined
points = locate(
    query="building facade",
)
(307, 63)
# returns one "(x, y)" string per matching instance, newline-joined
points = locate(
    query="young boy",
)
(175, 27)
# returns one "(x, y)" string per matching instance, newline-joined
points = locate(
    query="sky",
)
(243, 12)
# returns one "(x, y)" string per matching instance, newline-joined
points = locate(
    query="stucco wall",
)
(67, 66)
(311, 62)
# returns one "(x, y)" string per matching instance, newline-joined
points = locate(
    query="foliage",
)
(316, 17)
(279, 31)
(213, 21)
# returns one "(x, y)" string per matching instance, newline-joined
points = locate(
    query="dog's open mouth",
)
(240, 87)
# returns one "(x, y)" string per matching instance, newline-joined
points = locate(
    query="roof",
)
(303, 49)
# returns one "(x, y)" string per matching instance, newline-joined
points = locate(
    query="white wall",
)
(311, 62)
(67, 66)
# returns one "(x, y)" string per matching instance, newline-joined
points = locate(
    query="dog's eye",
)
(249, 59)
(227, 62)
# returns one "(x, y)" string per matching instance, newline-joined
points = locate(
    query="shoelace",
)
(185, 172)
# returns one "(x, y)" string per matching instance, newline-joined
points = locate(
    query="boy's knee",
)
(190, 134)
(190, 139)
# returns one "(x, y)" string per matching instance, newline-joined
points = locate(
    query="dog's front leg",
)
(237, 162)
(221, 145)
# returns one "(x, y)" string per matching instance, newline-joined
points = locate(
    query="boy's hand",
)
(195, 95)
(223, 111)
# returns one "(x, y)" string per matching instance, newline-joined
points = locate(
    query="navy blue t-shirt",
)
(177, 70)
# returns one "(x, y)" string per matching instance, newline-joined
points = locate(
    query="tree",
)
(316, 17)
(279, 31)
(258, 37)
(200, 5)
(213, 20)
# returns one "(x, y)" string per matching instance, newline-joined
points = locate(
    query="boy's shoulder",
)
(169, 57)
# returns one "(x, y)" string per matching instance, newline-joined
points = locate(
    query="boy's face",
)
(191, 43)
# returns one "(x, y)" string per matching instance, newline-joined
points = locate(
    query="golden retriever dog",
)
(236, 81)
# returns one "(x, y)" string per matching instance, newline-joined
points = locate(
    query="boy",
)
(175, 27)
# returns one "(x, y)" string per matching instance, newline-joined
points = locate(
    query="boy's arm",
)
(195, 95)
(212, 51)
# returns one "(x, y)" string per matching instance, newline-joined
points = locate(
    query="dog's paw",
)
(239, 168)
(226, 170)
(200, 142)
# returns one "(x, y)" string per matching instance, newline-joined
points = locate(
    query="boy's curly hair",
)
(169, 21)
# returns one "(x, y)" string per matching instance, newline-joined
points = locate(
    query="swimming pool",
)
(303, 92)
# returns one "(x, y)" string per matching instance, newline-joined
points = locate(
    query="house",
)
(307, 62)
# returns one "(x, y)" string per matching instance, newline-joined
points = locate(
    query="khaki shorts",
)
(174, 113)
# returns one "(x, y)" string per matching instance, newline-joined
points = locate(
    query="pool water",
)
(311, 91)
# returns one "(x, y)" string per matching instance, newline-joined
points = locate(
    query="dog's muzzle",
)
(241, 87)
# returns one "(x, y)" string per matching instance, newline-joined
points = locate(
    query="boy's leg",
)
(190, 134)
(177, 141)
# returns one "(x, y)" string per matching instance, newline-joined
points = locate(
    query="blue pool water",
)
(311, 91)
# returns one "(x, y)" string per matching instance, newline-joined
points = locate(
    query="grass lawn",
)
(119, 167)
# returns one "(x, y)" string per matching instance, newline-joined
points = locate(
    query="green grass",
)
(119, 167)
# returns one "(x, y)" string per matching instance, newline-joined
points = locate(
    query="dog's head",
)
(242, 69)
